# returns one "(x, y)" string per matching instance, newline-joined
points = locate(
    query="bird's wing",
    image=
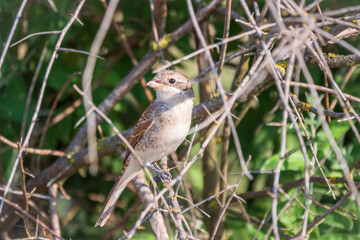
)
(144, 124)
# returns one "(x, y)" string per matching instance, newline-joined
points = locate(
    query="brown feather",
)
(144, 124)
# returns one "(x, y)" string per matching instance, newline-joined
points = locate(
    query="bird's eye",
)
(172, 80)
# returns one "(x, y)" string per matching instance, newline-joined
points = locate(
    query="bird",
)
(162, 127)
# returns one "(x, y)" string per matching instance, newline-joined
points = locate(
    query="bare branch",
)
(35, 34)
(33, 150)
(9, 38)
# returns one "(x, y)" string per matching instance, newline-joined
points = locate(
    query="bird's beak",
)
(154, 84)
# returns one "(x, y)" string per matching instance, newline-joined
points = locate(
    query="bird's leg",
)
(161, 174)
(157, 167)
(153, 169)
(164, 168)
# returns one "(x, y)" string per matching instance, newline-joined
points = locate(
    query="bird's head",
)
(171, 84)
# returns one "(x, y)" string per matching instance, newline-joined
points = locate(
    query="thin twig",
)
(23, 187)
(324, 89)
(66, 112)
(52, 5)
(225, 36)
(342, 11)
(155, 30)
(346, 79)
(33, 150)
(81, 51)
(31, 89)
(30, 195)
(11, 34)
(282, 150)
(35, 34)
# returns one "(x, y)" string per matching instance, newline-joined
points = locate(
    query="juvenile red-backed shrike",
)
(161, 129)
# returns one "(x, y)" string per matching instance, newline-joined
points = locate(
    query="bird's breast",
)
(176, 122)
(168, 131)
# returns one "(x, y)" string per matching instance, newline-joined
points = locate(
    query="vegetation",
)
(279, 159)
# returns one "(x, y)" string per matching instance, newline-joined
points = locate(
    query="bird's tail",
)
(128, 173)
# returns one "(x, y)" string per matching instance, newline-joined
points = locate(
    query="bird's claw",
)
(161, 174)
(165, 175)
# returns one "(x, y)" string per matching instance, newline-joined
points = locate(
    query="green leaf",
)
(338, 221)
(294, 162)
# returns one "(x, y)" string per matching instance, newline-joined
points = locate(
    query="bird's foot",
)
(165, 175)
(161, 174)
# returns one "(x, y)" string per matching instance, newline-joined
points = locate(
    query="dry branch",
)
(33, 150)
